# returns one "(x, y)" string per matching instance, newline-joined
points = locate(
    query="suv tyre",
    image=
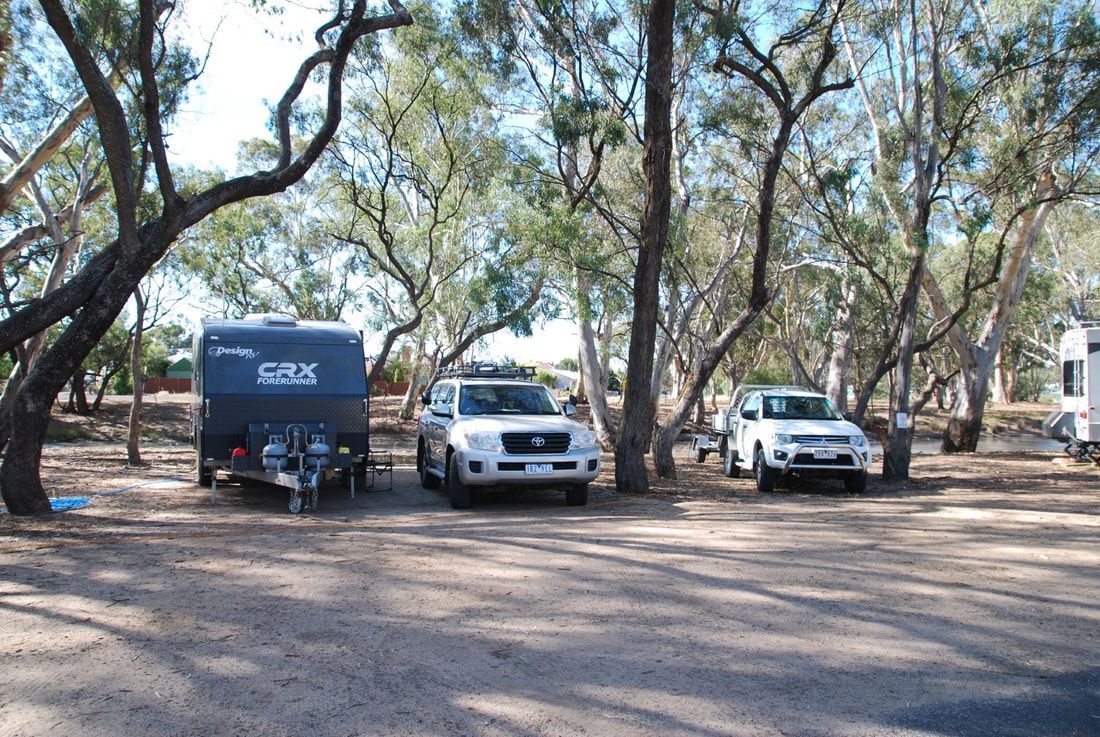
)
(460, 495)
(577, 495)
(427, 479)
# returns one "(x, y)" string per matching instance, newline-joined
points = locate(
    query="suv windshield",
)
(487, 399)
(799, 408)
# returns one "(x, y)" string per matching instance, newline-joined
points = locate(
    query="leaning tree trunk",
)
(20, 480)
(412, 394)
(137, 372)
(964, 426)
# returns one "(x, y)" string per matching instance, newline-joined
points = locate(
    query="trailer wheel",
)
(461, 495)
(203, 476)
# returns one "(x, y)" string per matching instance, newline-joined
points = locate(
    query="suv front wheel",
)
(461, 495)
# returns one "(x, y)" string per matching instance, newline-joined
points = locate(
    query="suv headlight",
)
(858, 440)
(483, 440)
(583, 440)
(782, 438)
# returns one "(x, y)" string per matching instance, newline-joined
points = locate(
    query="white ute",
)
(485, 425)
(771, 431)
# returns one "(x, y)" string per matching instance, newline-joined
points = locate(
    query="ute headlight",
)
(583, 440)
(484, 440)
(858, 440)
(782, 438)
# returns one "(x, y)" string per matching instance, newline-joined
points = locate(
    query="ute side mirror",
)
(570, 410)
(848, 416)
(425, 399)
(748, 414)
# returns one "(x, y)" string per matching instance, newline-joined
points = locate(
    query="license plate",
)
(534, 469)
(824, 454)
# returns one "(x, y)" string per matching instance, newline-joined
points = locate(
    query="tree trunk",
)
(637, 420)
(964, 426)
(412, 394)
(595, 385)
(137, 372)
(899, 442)
(836, 385)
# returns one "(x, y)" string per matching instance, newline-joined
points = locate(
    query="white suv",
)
(484, 426)
(788, 430)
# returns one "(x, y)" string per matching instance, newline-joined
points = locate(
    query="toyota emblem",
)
(538, 441)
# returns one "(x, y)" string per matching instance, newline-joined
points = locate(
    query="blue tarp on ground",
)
(65, 503)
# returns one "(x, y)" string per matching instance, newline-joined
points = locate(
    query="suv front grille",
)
(528, 443)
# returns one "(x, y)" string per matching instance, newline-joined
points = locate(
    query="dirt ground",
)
(965, 602)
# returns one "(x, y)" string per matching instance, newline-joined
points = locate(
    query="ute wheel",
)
(700, 455)
(765, 474)
(461, 495)
(729, 464)
(577, 495)
(427, 479)
(855, 482)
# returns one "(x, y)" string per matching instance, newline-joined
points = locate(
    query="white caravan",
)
(1080, 358)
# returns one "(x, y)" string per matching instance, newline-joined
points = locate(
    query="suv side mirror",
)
(442, 410)
(848, 416)
(748, 414)
(425, 399)
(570, 410)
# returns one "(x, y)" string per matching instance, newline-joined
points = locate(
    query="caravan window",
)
(1073, 378)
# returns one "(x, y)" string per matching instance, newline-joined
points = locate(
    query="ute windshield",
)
(504, 399)
(799, 408)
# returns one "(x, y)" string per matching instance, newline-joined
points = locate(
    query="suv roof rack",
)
(487, 371)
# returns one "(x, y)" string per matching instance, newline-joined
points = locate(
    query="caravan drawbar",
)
(280, 400)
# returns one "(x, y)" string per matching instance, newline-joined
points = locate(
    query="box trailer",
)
(280, 400)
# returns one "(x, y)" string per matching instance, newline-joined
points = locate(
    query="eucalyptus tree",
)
(275, 254)
(788, 74)
(151, 210)
(426, 189)
(571, 76)
(932, 78)
(1041, 146)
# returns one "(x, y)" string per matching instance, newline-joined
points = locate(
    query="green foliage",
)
(546, 378)
(568, 364)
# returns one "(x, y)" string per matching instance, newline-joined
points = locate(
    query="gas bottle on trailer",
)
(275, 457)
(317, 455)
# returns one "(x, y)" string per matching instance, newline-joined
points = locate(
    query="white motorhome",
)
(1080, 357)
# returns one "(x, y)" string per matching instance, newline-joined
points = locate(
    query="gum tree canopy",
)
(150, 210)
